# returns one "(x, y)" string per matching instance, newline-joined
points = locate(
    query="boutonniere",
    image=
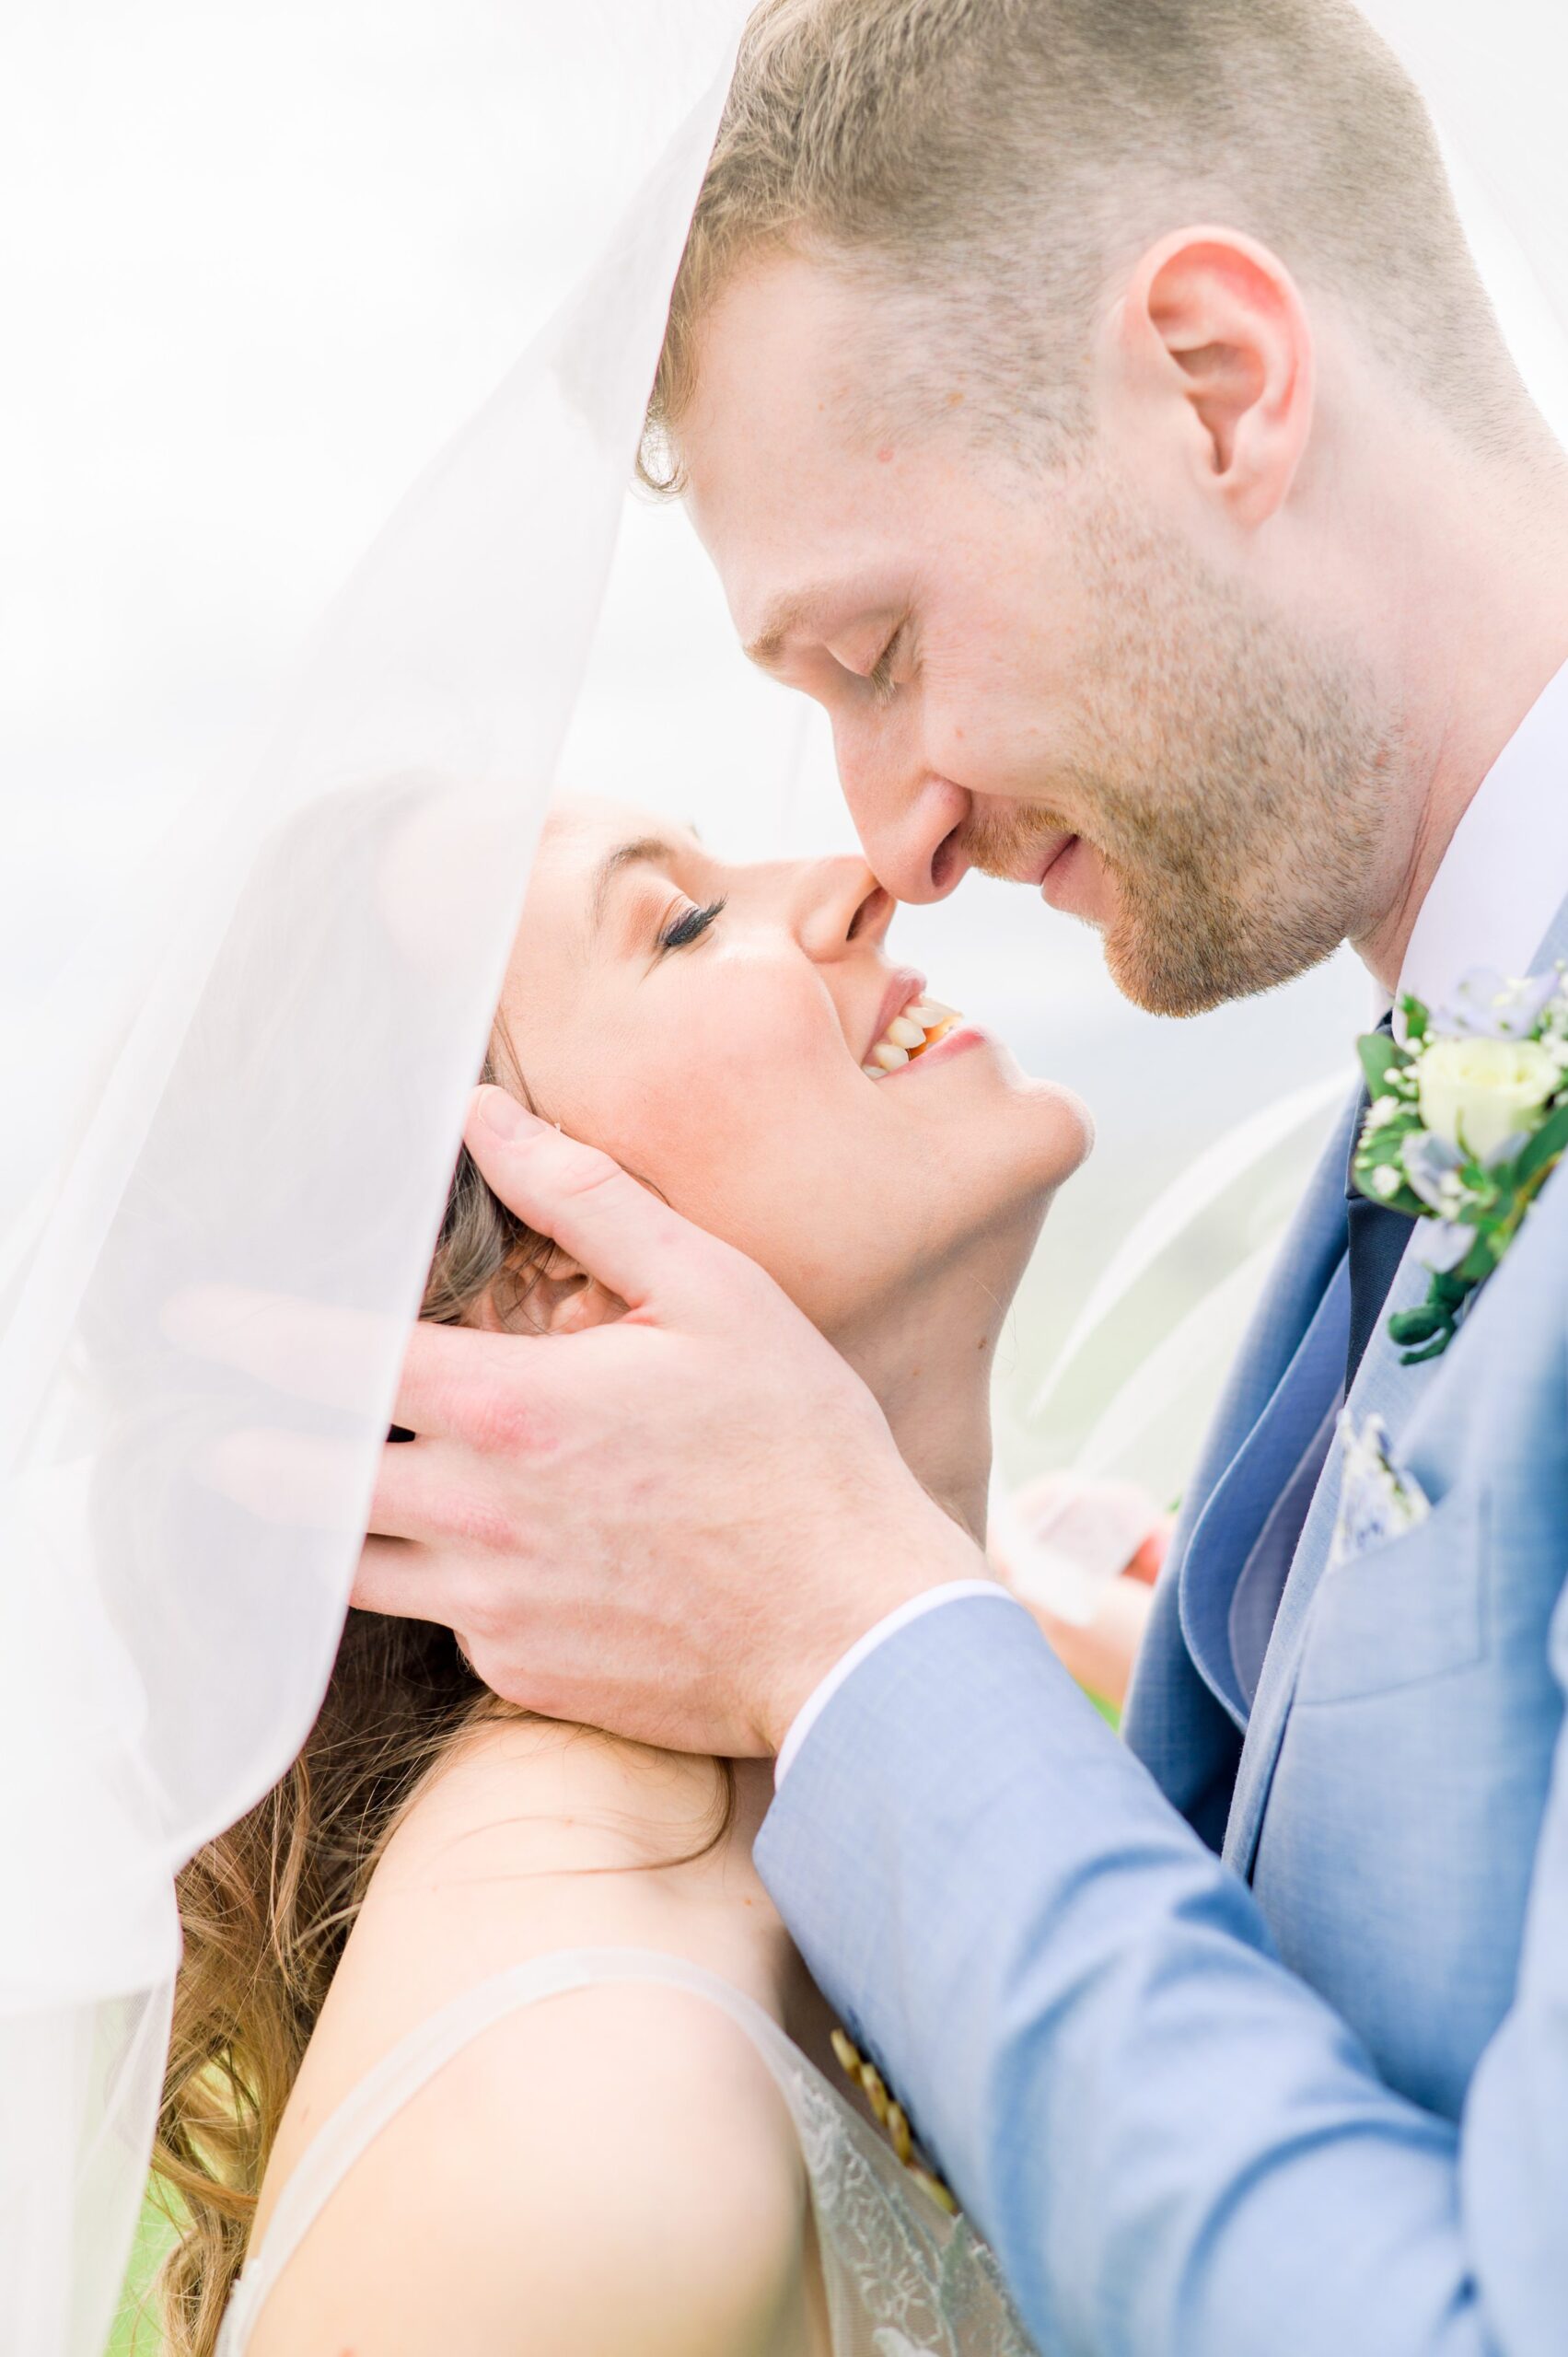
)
(1379, 1500)
(1468, 1119)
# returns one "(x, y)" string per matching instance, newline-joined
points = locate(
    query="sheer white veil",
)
(244, 1115)
(267, 1115)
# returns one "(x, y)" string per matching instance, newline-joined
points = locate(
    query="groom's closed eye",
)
(879, 678)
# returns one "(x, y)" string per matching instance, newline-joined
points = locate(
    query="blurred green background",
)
(136, 2332)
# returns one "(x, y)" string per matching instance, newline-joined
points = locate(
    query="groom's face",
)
(1040, 671)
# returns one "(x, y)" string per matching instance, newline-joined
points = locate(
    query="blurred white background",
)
(262, 262)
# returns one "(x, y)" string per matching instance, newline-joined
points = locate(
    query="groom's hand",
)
(672, 1526)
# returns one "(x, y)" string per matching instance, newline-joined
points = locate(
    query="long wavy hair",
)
(266, 1907)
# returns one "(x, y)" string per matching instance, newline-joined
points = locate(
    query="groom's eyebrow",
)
(647, 852)
(780, 625)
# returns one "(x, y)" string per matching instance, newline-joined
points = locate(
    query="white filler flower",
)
(1480, 1093)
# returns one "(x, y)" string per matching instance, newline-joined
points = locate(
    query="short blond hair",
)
(985, 164)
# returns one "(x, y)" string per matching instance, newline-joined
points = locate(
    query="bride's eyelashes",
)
(688, 926)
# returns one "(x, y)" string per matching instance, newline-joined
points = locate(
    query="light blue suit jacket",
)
(1248, 2036)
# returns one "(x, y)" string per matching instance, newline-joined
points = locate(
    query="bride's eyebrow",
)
(649, 852)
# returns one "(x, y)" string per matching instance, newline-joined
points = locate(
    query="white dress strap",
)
(901, 2278)
(349, 2132)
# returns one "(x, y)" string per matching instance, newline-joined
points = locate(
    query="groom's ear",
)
(1215, 355)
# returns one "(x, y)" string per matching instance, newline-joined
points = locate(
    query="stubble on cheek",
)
(1235, 786)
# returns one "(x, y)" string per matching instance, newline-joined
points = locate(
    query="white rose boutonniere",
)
(1468, 1119)
(1477, 1094)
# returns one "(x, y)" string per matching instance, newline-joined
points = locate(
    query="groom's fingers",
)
(614, 1228)
(298, 1479)
(431, 1491)
(458, 1383)
(407, 1582)
(454, 1380)
(310, 1350)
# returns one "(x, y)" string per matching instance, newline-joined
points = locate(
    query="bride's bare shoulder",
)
(610, 2170)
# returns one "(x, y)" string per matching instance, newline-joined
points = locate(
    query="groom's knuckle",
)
(505, 1675)
(502, 1418)
(485, 1611)
(480, 1526)
(452, 1388)
(481, 1394)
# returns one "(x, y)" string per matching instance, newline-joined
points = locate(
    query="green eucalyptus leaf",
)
(1433, 1349)
(1549, 1141)
(1417, 1325)
(1377, 1053)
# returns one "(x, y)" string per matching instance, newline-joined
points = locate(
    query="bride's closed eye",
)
(689, 925)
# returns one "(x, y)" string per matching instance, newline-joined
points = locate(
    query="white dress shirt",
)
(1501, 883)
(1504, 874)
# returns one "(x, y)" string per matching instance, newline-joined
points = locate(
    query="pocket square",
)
(1379, 1500)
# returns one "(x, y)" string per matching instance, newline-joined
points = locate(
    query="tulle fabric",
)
(245, 1177)
(223, 1169)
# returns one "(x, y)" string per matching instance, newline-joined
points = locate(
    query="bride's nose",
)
(842, 902)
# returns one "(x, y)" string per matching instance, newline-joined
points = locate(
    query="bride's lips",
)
(903, 988)
(951, 1043)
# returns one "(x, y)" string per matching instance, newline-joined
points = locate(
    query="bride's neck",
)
(927, 1359)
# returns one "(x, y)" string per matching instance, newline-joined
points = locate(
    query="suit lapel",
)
(1285, 1376)
(1386, 1388)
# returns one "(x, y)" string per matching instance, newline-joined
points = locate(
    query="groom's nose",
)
(912, 834)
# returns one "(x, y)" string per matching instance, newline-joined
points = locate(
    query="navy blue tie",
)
(1378, 1239)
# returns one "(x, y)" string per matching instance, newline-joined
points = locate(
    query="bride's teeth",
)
(920, 1027)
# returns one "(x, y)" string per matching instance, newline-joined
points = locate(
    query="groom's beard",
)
(1233, 777)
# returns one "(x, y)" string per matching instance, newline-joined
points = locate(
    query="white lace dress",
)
(902, 2277)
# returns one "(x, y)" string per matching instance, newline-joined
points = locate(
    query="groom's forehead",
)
(784, 337)
(785, 405)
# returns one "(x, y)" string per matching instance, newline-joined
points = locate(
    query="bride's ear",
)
(562, 1298)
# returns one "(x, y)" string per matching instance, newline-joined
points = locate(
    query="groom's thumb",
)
(612, 1227)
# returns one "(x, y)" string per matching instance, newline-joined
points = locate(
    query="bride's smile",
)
(738, 1036)
(739, 1039)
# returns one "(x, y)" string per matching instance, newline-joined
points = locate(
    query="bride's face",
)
(711, 1026)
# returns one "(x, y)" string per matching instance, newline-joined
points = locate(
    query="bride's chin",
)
(1079, 1129)
(1058, 1130)
(1060, 1126)
(1015, 1184)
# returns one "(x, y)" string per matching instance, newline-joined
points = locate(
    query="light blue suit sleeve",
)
(1175, 2148)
